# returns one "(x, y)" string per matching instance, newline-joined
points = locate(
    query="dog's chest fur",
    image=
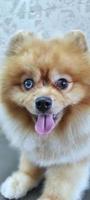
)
(67, 147)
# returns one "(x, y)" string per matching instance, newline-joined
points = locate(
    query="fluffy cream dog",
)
(45, 112)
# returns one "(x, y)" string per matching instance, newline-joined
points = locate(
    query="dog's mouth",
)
(45, 123)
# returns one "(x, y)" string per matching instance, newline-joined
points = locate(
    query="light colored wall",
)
(46, 16)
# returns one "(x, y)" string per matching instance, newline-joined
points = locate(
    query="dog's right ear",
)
(19, 42)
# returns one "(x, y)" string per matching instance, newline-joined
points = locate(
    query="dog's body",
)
(45, 112)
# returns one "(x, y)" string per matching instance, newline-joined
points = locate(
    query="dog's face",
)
(43, 79)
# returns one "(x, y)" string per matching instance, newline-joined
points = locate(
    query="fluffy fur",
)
(63, 156)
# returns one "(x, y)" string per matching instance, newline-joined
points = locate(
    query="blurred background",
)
(48, 18)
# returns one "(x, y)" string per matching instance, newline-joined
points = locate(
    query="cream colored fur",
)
(63, 157)
(65, 182)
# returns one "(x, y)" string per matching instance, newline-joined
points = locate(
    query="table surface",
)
(9, 158)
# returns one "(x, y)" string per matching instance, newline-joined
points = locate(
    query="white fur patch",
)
(67, 147)
(16, 186)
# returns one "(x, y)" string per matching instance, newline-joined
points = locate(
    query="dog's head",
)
(42, 79)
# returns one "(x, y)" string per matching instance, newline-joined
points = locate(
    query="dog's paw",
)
(17, 185)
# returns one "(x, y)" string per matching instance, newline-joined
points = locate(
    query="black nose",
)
(43, 104)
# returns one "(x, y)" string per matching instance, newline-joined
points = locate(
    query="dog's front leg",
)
(65, 182)
(20, 182)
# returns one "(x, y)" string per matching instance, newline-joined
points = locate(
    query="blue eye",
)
(62, 83)
(28, 84)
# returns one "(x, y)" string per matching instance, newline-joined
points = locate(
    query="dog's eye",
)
(28, 84)
(62, 83)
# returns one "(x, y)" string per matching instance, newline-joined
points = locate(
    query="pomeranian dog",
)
(45, 112)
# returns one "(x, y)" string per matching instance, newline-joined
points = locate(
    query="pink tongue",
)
(44, 124)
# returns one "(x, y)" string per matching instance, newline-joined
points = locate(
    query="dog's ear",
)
(77, 39)
(19, 42)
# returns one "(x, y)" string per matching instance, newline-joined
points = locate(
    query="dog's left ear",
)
(77, 40)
